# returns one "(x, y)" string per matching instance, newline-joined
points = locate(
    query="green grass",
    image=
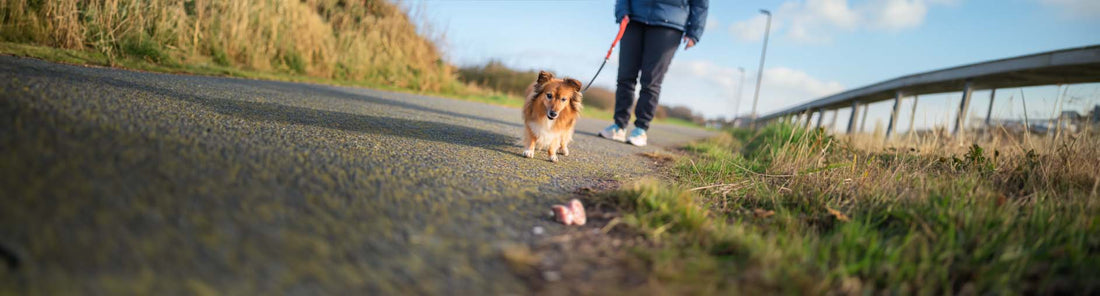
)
(784, 210)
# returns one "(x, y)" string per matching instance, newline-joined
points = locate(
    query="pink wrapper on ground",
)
(563, 214)
(579, 217)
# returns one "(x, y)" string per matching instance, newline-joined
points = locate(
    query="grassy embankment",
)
(790, 211)
(370, 43)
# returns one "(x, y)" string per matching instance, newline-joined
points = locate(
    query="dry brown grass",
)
(371, 41)
(1064, 165)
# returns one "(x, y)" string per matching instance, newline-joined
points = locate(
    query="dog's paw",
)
(528, 153)
(553, 158)
(564, 151)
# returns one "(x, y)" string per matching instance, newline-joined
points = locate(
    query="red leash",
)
(622, 28)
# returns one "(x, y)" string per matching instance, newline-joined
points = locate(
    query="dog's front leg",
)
(565, 140)
(554, 151)
(529, 151)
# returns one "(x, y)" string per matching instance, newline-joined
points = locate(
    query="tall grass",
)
(371, 41)
(798, 211)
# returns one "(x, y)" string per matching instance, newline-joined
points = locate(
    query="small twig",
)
(611, 224)
(705, 187)
(761, 174)
(738, 184)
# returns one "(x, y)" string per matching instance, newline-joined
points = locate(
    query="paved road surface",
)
(115, 182)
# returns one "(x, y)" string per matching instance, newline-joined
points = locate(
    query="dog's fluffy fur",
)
(550, 111)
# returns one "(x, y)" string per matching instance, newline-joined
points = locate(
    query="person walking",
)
(654, 31)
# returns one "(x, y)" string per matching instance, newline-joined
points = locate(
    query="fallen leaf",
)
(839, 216)
(761, 213)
(658, 156)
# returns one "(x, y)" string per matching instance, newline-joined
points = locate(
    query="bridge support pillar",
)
(893, 115)
(964, 104)
(989, 112)
(863, 122)
(809, 118)
(852, 118)
(913, 114)
(820, 116)
(832, 123)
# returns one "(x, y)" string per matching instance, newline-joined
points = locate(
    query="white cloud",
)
(897, 14)
(710, 88)
(816, 21)
(799, 82)
(811, 21)
(834, 12)
(717, 75)
(712, 23)
(1076, 8)
(749, 30)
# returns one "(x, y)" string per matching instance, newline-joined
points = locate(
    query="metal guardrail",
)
(1073, 65)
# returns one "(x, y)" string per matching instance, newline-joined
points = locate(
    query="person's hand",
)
(626, 18)
(690, 42)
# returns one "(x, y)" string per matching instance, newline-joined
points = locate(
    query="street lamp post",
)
(760, 72)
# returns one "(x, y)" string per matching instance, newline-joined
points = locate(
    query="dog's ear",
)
(575, 84)
(575, 102)
(544, 77)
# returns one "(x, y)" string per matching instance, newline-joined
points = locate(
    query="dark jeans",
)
(647, 50)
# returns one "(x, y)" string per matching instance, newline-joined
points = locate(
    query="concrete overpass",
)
(1066, 66)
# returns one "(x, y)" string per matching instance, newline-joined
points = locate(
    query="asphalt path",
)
(123, 182)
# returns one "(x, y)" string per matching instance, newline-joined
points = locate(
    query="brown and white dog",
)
(550, 111)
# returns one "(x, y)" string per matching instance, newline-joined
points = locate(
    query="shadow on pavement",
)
(359, 123)
(335, 92)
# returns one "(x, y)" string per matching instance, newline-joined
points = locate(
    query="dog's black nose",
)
(553, 114)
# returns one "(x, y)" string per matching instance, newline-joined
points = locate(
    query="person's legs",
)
(660, 45)
(630, 61)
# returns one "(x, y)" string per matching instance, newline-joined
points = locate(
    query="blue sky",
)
(817, 47)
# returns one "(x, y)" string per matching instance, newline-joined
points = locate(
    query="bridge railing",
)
(1066, 66)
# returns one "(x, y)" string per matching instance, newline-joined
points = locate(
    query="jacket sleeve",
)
(697, 19)
(622, 8)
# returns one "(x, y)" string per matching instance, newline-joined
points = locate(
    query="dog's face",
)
(557, 95)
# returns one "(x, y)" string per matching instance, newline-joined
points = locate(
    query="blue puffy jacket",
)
(689, 16)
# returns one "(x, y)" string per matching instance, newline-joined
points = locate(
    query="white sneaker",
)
(614, 132)
(637, 137)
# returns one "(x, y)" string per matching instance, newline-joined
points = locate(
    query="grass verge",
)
(84, 57)
(786, 210)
